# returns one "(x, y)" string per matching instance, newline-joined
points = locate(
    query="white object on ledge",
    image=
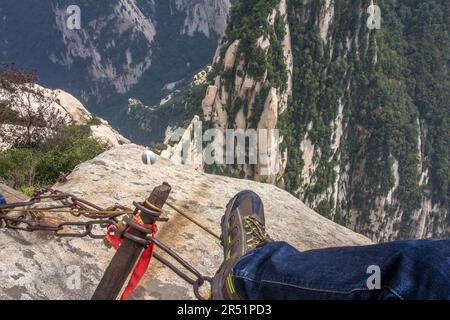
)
(149, 157)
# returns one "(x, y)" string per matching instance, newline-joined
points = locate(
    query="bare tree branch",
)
(26, 108)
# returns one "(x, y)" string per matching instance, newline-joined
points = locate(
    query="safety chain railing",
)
(31, 216)
(196, 282)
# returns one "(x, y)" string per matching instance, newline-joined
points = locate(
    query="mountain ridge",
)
(124, 48)
(366, 124)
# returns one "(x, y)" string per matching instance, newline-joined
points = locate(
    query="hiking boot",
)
(243, 229)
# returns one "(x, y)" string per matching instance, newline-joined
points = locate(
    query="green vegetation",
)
(392, 84)
(187, 103)
(258, 107)
(94, 121)
(248, 20)
(41, 143)
(248, 23)
(177, 112)
(29, 167)
(386, 79)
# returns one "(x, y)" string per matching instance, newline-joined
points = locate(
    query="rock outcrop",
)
(204, 16)
(76, 112)
(73, 111)
(186, 150)
(348, 148)
(38, 266)
(240, 97)
(132, 28)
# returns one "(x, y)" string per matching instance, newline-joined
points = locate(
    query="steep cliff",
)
(205, 16)
(363, 113)
(252, 75)
(364, 107)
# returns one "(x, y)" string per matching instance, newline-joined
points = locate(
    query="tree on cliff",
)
(27, 115)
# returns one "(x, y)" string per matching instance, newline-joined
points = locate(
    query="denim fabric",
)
(2, 199)
(417, 269)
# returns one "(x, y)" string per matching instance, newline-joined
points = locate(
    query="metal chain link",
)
(199, 279)
(30, 217)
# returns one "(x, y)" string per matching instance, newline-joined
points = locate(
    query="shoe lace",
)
(256, 230)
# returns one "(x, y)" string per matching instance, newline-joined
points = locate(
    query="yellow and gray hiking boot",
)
(243, 229)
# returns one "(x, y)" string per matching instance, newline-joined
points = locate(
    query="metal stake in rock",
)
(124, 261)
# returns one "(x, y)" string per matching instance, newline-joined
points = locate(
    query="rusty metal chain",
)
(31, 216)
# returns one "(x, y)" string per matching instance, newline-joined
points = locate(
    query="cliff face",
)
(132, 29)
(204, 16)
(364, 127)
(34, 266)
(252, 77)
(124, 48)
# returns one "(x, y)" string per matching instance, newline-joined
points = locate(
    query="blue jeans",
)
(417, 269)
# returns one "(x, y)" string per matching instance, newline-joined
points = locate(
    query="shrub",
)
(18, 166)
(69, 148)
(29, 167)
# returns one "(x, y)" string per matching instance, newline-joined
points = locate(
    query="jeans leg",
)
(417, 269)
